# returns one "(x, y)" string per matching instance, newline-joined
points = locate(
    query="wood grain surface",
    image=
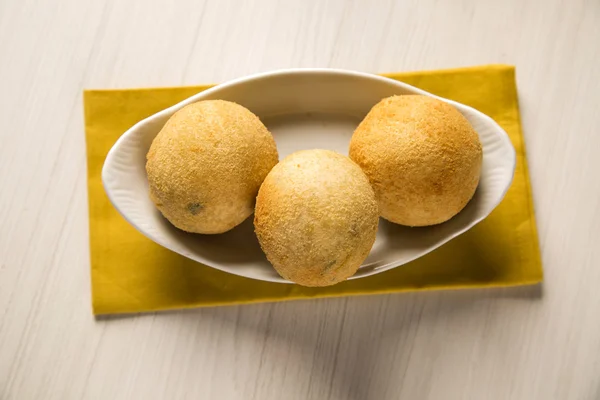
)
(528, 343)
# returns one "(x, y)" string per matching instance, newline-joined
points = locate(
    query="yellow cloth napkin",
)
(131, 274)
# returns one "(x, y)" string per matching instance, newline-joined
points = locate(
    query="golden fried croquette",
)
(206, 164)
(316, 217)
(422, 157)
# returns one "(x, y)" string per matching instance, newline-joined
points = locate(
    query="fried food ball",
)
(316, 217)
(206, 165)
(422, 157)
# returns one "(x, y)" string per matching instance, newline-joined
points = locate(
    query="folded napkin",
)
(130, 273)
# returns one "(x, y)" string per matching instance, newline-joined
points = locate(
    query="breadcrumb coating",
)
(316, 217)
(206, 165)
(422, 157)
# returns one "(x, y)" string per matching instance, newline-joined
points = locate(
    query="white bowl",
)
(304, 109)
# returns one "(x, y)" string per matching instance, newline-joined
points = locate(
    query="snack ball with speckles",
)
(422, 157)
(206, 165)
(316, 217)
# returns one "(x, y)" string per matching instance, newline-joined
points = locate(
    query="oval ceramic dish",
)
(304, 109)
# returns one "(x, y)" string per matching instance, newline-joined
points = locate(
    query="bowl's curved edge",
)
(107, 168)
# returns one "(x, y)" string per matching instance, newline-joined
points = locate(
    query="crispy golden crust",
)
(206, 164)
(316, 217)
(422, 157)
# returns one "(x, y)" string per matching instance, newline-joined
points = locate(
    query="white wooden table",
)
(528, 343)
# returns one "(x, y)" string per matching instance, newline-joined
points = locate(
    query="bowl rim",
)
(109, 160)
